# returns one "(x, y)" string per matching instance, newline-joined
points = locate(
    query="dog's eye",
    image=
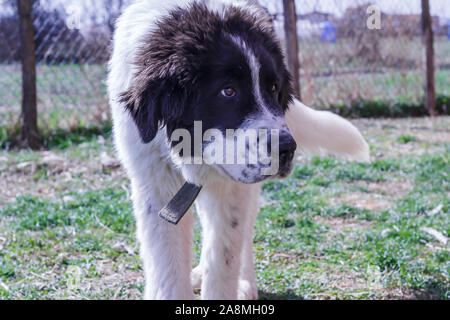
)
(228, 92)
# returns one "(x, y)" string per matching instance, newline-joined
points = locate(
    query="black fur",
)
(190, 58)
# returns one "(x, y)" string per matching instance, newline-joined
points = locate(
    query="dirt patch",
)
(431, 135)
(48, 175)
(379, 196)
(363, 201)
(354, 284)
(390, 189)
(376, 203)
(337, 223)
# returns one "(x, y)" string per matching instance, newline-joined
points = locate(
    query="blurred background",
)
(343, 64)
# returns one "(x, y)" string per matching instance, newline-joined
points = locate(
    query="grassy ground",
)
(333, 230)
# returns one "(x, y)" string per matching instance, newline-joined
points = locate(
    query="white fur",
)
(227, 209)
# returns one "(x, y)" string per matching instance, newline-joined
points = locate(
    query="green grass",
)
(55, 137)
(54, 240)
(33, 214)
(311, 241)
(394, 244)
(406, 139)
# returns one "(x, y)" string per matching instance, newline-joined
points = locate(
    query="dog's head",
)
(220, 75)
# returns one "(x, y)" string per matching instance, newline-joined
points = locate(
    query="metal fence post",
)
(29, 131)
(428, 38)
(290, 29)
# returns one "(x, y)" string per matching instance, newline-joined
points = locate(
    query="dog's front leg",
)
(222, 208)
(248, 289)
(165, 249)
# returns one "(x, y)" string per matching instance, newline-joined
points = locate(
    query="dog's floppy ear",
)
(154, 104)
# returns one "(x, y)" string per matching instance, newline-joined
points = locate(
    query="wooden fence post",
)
(29, 132)
(427, 27)
(290, 29)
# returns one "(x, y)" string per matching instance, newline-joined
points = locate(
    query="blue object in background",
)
(448, 30)
(329, 33)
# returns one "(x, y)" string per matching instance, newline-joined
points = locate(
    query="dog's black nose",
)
(288, 146)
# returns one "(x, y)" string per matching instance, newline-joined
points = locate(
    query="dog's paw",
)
(247, 290)
(196, 278)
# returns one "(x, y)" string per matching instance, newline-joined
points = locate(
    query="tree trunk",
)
(29, 133)
(427, 27)
(290, 29)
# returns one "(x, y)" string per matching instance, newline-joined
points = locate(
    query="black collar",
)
(180, 203)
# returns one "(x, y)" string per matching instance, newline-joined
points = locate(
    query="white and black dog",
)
(215, 62)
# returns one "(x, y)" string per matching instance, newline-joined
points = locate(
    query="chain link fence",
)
(347, 54)
(72, 49)
(352, 51)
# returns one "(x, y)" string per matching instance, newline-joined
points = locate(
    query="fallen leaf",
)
(122, 248)
(4, 286)
(435, 211)
(68, 199)
(54, 163)
(109, 162)
(436, 234)
(24, 165)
